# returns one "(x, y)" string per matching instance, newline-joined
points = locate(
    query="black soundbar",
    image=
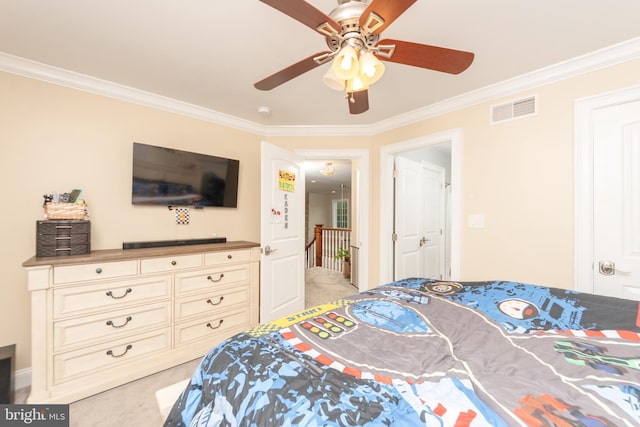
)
(162, 243)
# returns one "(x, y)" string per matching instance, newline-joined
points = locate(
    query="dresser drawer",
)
(70, 365)
(64, 248)
(155, 265)
(213, 327)
(108, 326)
(63, 227)
(211, 279)
(212, 302)
(108, 296)
(84, 272)
(226, 257)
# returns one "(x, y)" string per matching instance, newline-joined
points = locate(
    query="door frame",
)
(387, 155)
(583, 151)
(362, 191)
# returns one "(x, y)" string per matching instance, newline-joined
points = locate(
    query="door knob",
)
(268, 251)
(608, 268)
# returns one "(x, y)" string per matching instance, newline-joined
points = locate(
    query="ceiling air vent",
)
(514, 109)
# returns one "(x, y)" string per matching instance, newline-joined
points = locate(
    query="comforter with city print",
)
(423, 352)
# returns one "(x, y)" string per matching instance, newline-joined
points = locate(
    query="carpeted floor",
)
(134, 404)
(323, 285)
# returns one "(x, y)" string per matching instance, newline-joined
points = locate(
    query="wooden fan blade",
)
(430, 57)
(358, 101)
(389, 11)
(305, 13)
(291, 72)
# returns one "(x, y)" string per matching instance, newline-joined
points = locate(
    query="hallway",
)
(323, 285)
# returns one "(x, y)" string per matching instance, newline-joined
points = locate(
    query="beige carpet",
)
(323, 285)
(135, 404)
(132, 404)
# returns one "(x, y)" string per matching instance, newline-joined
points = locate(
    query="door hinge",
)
(395, 173)
(394, 237)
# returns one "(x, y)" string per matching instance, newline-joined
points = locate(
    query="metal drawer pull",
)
(174, 262)
(229, 256)
(215, 327)
(110, 294)
(214, 280)
(98, 270)
(110, 352)
(215, 303)
(110, 323)
(63, 226)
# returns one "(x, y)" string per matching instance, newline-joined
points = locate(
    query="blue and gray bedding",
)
(423, 352)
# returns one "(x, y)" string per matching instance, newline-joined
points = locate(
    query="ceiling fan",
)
(352, 31)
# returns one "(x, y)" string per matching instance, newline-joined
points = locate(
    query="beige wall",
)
(518, 174)
(56, 139)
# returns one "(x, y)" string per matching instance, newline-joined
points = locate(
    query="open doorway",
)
(348, 195)
(328, 199)
(431, 146)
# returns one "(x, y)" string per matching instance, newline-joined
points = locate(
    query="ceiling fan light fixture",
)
(346, 65)
(371, 67)
(332, 81)
(328, 170)
(353, 29)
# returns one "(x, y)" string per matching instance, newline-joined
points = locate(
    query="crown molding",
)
(616, 54)
(603, 58)
(59, 76)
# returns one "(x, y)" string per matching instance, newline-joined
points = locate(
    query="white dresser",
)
(113, 316)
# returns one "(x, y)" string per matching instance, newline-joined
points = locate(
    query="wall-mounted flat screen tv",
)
(170, 177)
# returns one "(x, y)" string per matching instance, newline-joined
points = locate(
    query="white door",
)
(419, 220)
(407, 223)
(281, 233)
(616, 200)
(433, 210)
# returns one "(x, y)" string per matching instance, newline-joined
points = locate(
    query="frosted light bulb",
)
(357, 84)
(345, 65)
(368, 69)
(346, 62)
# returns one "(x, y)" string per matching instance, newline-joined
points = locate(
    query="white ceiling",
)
(318, 183)
(210, 52)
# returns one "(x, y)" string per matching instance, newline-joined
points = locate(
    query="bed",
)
(423, 352)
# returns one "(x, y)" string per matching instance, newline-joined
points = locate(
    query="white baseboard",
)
(22, 378)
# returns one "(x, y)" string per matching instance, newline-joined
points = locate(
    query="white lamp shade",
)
(371, 67)
(333, 81)
(345, 64)
(357, 84)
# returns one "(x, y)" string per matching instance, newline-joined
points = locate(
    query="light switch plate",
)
(476, 221)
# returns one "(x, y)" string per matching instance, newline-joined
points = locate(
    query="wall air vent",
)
(519, 108)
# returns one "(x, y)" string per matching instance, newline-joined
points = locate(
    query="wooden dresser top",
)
(124, 254)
